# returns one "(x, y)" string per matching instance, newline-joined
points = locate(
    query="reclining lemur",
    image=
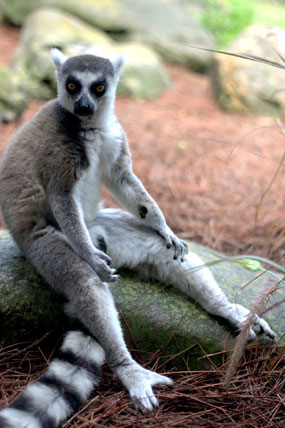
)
(51, 178)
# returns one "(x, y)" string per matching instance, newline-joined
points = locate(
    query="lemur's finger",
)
(106, 273)
(264, 328)
(251, 335)
(153, 400)
(178, 249)
(169, 243)
(166, 237)
(110, 276)
(185, 247)
(175, 248)
(181, 248)
(105, 257)
(114, 278)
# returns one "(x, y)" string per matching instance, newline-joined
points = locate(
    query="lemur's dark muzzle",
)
(84, 107)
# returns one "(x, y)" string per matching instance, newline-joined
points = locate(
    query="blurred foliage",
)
(226, 18)
(272, 13)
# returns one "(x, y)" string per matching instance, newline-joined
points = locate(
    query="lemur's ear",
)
(58, 58)
(118, 63)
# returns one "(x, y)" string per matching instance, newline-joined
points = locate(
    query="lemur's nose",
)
(84, 106)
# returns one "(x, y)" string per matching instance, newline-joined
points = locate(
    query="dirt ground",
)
(208, 170)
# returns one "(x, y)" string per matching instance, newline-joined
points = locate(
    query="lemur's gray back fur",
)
(50, 182)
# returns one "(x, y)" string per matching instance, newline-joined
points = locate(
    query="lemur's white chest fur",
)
(102, 147)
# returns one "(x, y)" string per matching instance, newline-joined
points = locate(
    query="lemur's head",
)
(85, 82)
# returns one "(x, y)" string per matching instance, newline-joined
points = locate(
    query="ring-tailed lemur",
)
(51, 178)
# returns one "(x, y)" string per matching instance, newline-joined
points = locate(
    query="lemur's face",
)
(83, 92)
(85, 82)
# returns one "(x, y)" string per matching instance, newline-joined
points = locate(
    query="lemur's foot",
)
(239, 315)
(139, 383)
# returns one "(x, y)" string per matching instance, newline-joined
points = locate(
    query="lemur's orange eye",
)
(71, 86)
(100, 88)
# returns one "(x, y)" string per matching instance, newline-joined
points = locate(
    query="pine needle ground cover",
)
(256, 396)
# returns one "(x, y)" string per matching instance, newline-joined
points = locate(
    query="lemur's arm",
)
(130, 192)
(70, 220)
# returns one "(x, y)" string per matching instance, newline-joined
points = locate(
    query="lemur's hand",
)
(101, 264)
(180, 247)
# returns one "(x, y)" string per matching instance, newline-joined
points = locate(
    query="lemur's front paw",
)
(139, 383)
(100, 264)
(180, 247)
(240, 314)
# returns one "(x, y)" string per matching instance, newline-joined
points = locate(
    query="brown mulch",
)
(255, 398)
(208, 170)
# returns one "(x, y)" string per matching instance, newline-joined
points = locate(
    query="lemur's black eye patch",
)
(73, 86)
(99, 88)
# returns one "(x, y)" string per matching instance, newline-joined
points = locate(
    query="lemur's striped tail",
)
(68, 382)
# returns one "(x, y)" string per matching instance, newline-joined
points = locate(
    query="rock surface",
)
(157, 315)
(12, 98)
(246, 86)
(143, 76)
(168, 26)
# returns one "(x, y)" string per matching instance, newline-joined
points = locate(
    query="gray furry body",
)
(51, 178)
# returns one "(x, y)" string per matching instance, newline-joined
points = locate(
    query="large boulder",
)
(248, 86)
(143, 76)
(168, 26)
(15, 11)
(103, 14)
(12, 96)
(156, 315)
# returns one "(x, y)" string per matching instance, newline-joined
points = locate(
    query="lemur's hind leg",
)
(90, 300)
(135, 246)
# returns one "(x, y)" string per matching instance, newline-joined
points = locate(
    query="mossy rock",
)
(15, 11)
(157, 315)
(247, 86)
(12, 96)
